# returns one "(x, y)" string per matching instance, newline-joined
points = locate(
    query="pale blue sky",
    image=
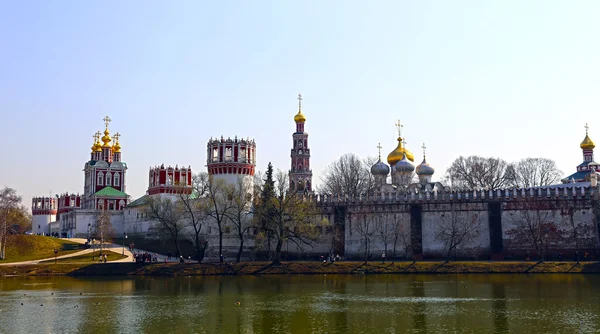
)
(511, 79)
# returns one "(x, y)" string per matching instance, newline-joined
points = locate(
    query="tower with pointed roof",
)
(104, 173)
(584, 169)
(300, 174)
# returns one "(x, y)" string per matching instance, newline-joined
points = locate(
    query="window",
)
(228, 154)
(215, 154)
(117, 180)
(100, 179)
(111, 206)
(170, 180)
(108, 179)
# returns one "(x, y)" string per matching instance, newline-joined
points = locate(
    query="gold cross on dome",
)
(586, 128)
(399, 126)
(379, 147)
(299, 102)
(404, 142)
(117, 136)
(106, 120)
(423, 147)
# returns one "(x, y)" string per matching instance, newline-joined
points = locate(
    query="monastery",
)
(403, 217)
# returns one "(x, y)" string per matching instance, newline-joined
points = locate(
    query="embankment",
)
(298, 268)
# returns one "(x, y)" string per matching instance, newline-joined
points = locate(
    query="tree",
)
(288, 217)
(533, 227)
(385, 233)
(349, 175)
(400, 234)
(264, 205)
(241, 211)
(456, 229)
(195, 205)
(9, 201)
(103, 229)
(169, 214)
(367, 228)
(475, 172)
(535, 172)
(219, 196)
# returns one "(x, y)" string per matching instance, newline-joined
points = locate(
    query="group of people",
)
(331, 258)
(145, 257)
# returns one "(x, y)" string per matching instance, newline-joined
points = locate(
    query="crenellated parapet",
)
(170, 180)
(563, 192)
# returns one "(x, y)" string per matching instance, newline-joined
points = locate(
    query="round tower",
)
(43, 212)
(231, 160)
(169, 180)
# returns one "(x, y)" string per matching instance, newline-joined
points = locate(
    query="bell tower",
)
(300, 174)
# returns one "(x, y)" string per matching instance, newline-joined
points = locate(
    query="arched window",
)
(117, 180)
(100, 204)
(100, 180)
(121, 204)
(108, 179)
(111, 206)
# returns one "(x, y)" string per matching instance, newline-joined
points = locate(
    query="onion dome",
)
(116, 147)
(299, 118)
(425, 169)
(380, 169)
(106, 138)
(397, 154)
(97, 146)
(587, 143)
(404, 165)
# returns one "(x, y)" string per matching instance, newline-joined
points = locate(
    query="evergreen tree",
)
(264, 205)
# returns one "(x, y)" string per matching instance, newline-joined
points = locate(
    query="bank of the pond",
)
(297, 268)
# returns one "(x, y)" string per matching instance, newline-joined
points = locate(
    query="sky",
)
(508, 79)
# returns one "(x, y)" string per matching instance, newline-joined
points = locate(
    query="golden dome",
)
(97, 147)
(299, 118)
(106, 138)
(117, 147)
(587, 143)
(397, 154)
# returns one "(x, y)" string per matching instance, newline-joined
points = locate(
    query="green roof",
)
(140, 201)
(110, 192)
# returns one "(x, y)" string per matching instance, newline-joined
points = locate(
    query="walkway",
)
(96, 247)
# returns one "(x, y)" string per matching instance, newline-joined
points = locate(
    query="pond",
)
(302, 304)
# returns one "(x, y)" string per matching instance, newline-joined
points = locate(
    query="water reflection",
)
(302, 304)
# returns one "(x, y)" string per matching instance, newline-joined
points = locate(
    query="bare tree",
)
(287, 217)
(535, 172)
(220, 197)
(240, 213)
(366, 227)
(103, 229)
(385, 231)
(9, 201)
(169, 214)
(534, 228)
(475, 172)
(577, 233)
(349, 175)
(194, 206)
(456, 229)
(400, 235)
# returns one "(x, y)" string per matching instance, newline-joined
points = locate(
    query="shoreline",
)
(300, 268)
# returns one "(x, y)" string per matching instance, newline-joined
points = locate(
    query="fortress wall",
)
(472, 217)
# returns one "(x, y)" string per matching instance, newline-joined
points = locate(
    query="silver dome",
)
(425, 169)
(404, 165)
(380, 168)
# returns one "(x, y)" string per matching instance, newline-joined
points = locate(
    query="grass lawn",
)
(35, 247)
(90, 257)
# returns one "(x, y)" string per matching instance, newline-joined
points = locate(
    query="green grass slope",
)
(35, 247)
